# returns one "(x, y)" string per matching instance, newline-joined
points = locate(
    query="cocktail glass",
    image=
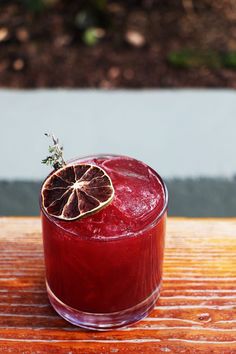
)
(104, 271)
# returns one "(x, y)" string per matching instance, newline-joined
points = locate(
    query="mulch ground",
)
(46, 48)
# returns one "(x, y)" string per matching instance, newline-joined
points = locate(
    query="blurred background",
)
(153, 79)
(117, 44)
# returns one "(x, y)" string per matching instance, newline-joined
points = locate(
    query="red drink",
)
(104, 270)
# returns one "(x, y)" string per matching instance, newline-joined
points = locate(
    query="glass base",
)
(103, 321)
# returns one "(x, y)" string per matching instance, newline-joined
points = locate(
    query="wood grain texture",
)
(196, 312)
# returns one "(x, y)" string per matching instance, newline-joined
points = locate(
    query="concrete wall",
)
(179, 133)
(183, 134)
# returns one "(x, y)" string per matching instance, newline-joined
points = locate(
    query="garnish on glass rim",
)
(73, 191)
(56, 159)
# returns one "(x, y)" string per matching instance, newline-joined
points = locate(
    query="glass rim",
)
(102, 238)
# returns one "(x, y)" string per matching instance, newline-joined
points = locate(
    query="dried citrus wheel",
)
(77, 190)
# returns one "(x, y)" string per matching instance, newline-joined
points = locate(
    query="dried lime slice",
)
(75, 191)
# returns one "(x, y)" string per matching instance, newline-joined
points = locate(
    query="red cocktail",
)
(104, 270)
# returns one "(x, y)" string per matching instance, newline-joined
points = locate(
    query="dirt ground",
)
(54, 47)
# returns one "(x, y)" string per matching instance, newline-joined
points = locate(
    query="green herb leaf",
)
(55, 159)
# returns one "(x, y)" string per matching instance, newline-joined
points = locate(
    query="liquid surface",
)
(139, 199)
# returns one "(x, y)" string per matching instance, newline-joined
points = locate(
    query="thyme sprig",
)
(55, 159)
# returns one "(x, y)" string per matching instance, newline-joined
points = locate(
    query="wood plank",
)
(196, 312)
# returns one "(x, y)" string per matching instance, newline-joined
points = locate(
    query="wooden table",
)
(195, 314)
